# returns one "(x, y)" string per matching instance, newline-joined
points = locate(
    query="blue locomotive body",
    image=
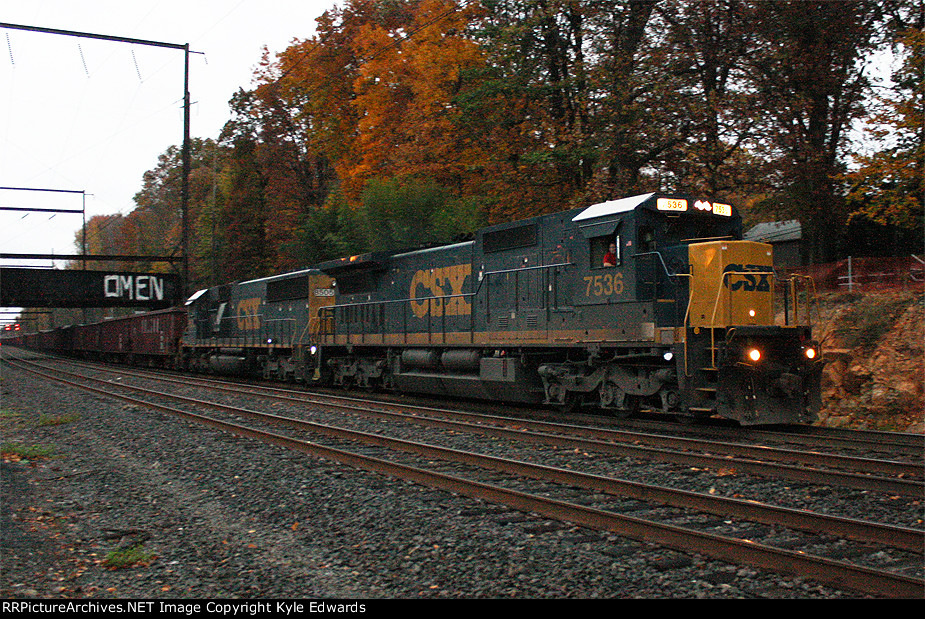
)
(643, 302)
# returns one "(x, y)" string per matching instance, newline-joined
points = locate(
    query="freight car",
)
(58, 340)
(149, 338)
(651, 301)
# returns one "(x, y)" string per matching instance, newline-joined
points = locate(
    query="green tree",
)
(243, 217)
(329, 232)
(400, 217)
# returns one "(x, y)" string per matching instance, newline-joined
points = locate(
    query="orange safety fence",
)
(860, 274)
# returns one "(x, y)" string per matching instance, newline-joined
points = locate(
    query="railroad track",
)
(691, 522)
(862, 442)
(810, 466)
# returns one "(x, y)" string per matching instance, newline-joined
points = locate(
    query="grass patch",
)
(18, 451)
(57, 420)
(8, 415)
(128, 557)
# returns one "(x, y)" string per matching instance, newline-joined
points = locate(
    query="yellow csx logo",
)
(248, 314)
(440, 282)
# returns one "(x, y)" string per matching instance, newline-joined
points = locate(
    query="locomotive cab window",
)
(646, 240)
(605, 251)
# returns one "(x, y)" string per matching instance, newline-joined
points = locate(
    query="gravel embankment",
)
(223, 517)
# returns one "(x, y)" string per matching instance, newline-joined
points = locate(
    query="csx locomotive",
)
(648, 302)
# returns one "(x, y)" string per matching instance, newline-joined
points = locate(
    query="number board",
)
(671, 204)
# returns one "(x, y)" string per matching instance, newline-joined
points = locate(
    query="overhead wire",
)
(122, 212)
(82, 59)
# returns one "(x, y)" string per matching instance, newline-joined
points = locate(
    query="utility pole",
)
(184, 188)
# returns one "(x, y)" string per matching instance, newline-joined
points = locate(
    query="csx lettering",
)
(248, 316)
(604, 285)
(749, 283)
(440, 282)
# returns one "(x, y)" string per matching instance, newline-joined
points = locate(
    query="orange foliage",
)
(404, 96)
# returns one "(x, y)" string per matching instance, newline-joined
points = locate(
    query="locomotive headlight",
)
(810, 352)
(313, 349)
(754, 354)
(668, 356)
(751, 313)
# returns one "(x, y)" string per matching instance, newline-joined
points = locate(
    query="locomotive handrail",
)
(662, 260)
(810, 282)
(331, 308)
(687, 311)
(719, 291)
(539, 266)
(312, 321)
(483, 277)
(276, 324)
(258, 336)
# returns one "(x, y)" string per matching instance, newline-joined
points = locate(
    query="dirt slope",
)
(873, 344)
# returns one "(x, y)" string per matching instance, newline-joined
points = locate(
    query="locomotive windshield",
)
(691, 228)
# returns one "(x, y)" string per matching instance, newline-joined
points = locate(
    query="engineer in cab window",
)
(610, 258)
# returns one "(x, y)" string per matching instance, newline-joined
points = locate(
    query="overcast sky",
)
(86, 115)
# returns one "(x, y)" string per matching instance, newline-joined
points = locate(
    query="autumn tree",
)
(102, 233)
(451, 114)
(404, 96)
(302, 125)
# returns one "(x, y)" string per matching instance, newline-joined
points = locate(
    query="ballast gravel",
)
(210, 515)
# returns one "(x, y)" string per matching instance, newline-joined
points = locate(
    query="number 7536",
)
(604, 285)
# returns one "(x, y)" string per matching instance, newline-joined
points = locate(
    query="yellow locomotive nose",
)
(731, 284)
